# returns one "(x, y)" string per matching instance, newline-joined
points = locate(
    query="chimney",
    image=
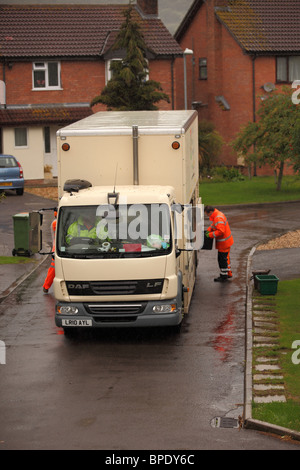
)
(221, 3)
(148, 7)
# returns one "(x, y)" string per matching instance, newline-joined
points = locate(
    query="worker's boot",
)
(221, 278)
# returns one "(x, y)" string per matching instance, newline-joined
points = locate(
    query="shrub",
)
(223, 173)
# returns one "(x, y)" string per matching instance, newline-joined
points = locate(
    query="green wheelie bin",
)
(27, 233)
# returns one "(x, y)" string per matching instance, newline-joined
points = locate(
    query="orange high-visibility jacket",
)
(220, 230)
(53, 229)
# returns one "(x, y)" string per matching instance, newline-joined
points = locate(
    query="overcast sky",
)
(171, 12)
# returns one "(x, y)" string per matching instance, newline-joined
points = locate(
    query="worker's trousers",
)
(50, 275)
(224, 264)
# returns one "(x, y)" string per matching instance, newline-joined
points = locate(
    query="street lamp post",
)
(185, 53)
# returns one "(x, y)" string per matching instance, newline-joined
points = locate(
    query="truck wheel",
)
(176, 330)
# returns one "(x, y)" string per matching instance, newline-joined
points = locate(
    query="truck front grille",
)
(115, 312)
(115, 309)
(131, 287)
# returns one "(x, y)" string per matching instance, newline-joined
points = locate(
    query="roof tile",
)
(43, 115)
(263, 26)
(72, 30)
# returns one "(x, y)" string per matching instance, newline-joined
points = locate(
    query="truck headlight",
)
(164, 308)
(66, 310)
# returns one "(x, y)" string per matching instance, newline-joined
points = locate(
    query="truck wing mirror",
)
(177, 208)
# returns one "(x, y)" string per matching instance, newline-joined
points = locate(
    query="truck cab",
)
(117, 258)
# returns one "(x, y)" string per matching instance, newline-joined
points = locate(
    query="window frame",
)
(287, 68)
(43, 66)
(202, 68)
(15, 137)
(108, 74)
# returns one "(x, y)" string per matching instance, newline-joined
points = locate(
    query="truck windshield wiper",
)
(76, 255)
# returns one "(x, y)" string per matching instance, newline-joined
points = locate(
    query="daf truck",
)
(130, 219)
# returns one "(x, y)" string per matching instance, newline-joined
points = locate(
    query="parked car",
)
(11, 174)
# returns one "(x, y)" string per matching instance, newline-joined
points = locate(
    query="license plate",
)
(76, 322)
(5, 184)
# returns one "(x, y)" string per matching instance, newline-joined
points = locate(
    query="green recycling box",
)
(267, 284)
(27, 233)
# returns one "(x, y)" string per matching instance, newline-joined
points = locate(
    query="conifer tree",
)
(129, 89)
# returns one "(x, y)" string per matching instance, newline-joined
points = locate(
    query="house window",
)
(46, 75)
(202, 68)
(20, 137)
(109, 72)
(287, 68)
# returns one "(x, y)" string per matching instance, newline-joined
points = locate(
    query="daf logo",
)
(79, 286)
(152, 285)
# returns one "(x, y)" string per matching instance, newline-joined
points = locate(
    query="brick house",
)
(54, 59)
(241, 50)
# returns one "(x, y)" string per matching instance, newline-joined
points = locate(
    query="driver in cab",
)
(83, 227)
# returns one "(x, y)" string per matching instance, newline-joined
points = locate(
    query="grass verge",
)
(286, 415)
(286, 303)
(260, 189)
(15, 260)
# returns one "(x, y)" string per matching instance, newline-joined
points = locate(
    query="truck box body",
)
(101, 150)
(130, 156)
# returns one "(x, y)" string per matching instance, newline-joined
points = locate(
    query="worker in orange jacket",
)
(51, 271)
(220, 231)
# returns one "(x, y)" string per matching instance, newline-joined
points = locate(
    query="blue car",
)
(11, 174)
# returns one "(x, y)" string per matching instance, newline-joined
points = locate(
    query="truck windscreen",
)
(135, 230)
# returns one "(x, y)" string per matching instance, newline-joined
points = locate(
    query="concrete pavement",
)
(12, 275)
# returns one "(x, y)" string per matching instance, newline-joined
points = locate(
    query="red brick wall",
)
(80, 80)
(161, 71)
(230, 74)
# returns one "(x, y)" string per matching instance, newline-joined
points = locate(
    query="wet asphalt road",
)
(133, 389)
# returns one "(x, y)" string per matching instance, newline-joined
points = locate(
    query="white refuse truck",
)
(129, 220)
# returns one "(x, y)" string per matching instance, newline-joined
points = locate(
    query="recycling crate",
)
(27, 233)
(207, 242)
(255, 273)
(267, 284)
